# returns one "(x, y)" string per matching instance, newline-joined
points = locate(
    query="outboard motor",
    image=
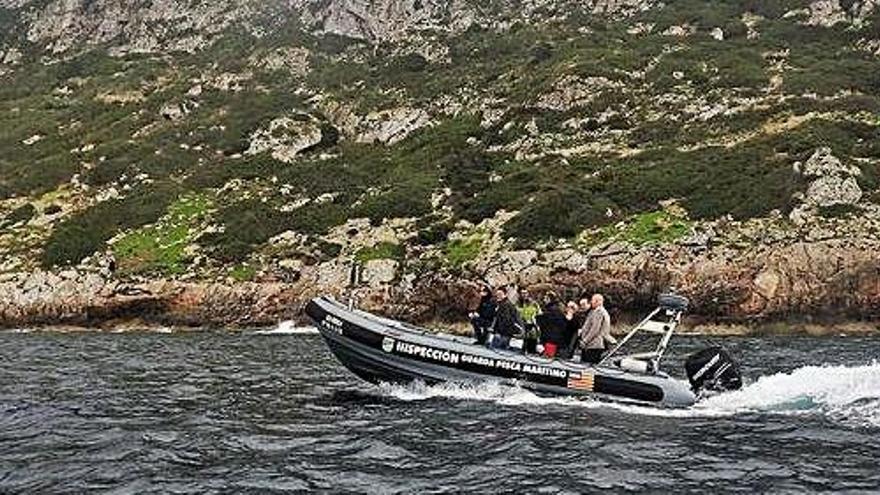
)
(713, 369)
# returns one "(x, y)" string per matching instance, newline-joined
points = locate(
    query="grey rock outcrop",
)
(832, 183)
(387, 19)
(381, 271)
(391, 126)
(285, 138)
(134, 27)
(572, 91)
(827, 13)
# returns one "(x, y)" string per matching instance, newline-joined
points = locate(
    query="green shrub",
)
(434, 234)
(245, 224)
(21, 214)
(839, 211)
(558, 213)
(830, 73)
(86, 232)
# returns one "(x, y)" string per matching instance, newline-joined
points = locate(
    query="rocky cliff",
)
(219, 163)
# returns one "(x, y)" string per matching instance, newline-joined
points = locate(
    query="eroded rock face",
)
(135, 27)
(178, 25)
(832, 183)
(827, 13)
(380, 271)
(391, 126)
(285, 138)
(291, 59)
(572, 91)
(387, 20)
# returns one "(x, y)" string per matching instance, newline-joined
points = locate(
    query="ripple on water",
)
(238, 412)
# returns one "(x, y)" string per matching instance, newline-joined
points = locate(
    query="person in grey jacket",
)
(595, 331)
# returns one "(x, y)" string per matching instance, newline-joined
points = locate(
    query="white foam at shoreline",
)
(288, 328)
(846, 393)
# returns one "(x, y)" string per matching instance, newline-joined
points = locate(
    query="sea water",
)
(274, 412)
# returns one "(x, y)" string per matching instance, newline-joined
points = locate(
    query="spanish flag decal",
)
(582, 382)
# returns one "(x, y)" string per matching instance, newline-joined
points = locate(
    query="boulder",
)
(173, 111)
(285, 138)
(381, 271)
(833, 183)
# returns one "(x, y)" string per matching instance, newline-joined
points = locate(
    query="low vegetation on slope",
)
(575, 124)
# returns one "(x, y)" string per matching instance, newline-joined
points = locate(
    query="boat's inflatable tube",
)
(381, 350)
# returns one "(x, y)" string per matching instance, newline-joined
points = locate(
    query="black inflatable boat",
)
(382, 350)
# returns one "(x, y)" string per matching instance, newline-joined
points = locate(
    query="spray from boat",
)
(846, 394)
(288, 328)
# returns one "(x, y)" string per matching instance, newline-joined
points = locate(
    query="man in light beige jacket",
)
(595, 331)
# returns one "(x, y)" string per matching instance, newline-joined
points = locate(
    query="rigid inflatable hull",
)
(381, 350)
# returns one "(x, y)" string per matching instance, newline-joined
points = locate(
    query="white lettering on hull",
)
(452, 357)
(441, 355)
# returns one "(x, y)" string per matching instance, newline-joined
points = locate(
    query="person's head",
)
(597, 301)
(584, 304)
(571, 306)
(524, 295)
(500, 294)
(485, 291)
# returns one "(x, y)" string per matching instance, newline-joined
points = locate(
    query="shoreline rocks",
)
(828, 286)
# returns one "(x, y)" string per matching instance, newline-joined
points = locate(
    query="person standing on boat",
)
(595, 331)
(528, 311)
(553, 325)
(507, 321)
(575, 315)
(483, 318)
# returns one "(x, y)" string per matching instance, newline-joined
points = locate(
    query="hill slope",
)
(729, 148)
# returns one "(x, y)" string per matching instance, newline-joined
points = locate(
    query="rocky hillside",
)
(188, 161)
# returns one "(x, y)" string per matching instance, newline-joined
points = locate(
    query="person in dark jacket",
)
(507, 321)
(484, 316)
(574, 316)
(552, 323)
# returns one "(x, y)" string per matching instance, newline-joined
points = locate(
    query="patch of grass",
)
(162, 247)
(243, 272)
(382, 250)
(458, 252)
(651, 228)
(86, 232)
